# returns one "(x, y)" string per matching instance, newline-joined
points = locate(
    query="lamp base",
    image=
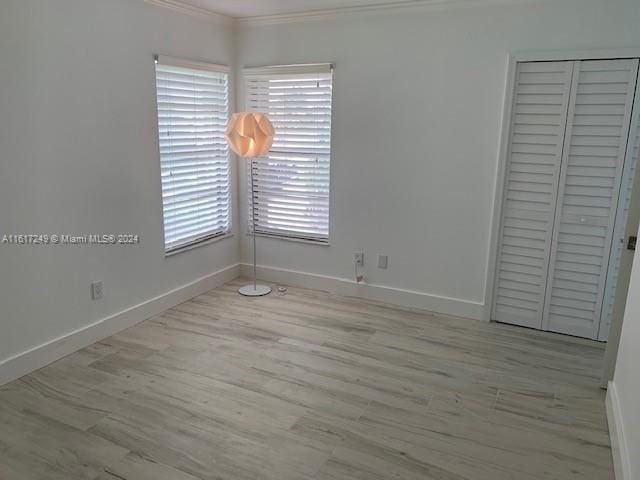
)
(257, 291)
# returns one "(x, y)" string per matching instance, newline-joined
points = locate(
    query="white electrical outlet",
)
(358, 258)
(382, 261)
(96, 290)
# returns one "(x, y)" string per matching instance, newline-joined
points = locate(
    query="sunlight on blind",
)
(292, 183)
(193, 109)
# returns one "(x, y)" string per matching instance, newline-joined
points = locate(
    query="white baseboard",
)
(621, 460)
(396, 296)
(41, 355)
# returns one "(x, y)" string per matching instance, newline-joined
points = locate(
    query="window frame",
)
(213, 236)
(282, 71)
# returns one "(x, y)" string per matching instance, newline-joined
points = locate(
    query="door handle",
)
(631, 245)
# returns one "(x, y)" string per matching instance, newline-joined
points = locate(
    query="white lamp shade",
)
(250, 134)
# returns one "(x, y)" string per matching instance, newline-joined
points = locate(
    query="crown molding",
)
(333, 13)
(193, 11)
(326, 14)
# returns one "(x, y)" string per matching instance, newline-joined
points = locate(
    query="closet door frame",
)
(513, 58)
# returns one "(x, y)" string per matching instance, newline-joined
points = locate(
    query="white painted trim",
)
(201, 243)
(501, 177)
(512, 61)
(349, 287)
(42, 355)
(307, 241)
(619, 451)
(562, 55)
(193, 11)
(301, 69)
(193, 64)
(328, 14)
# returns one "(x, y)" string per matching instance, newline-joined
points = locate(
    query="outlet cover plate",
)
(96, 290)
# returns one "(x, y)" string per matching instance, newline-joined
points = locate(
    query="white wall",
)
(626, 381)
(418, 100)
(79, 154)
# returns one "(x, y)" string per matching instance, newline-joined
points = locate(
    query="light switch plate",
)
(382, 261)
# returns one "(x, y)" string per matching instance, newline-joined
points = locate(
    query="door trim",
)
(505, 133)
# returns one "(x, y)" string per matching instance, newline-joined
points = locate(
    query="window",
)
(193, 109)
(291, 186)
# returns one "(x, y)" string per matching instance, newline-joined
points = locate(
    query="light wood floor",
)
(307, 385)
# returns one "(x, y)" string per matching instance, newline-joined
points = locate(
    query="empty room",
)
(319, 240)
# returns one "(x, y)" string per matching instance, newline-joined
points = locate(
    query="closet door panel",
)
(624, 204)
(592, 163)
(538, 122)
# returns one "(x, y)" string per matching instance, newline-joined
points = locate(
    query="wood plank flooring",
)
(310, 386)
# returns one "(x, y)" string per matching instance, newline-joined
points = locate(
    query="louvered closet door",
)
(595, 145)
(538, 124)
(625, 214)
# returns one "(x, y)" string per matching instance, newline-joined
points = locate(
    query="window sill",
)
(318, 243)
(198, 244)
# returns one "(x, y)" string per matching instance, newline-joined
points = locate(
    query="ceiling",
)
(253, 8)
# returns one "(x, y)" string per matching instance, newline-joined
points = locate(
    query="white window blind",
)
(291, 185)
(193, 109)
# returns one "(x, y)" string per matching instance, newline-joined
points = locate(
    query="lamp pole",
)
(253, 226)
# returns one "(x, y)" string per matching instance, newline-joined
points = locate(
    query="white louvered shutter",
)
(291, 185)
(535, 151)
(594, 153)
(193, 109)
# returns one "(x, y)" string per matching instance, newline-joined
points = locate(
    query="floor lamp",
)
(250, 135)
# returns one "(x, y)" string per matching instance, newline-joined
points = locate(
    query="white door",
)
(593, 159)
(535, 152)
(627, 220)
(630, 206)
(575, 136)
